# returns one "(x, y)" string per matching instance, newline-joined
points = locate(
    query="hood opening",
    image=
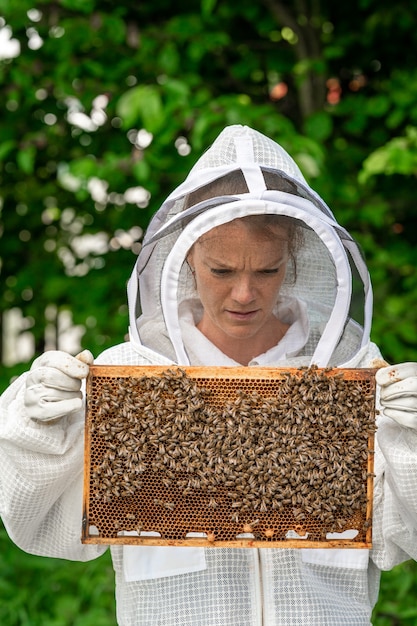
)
(244, 173)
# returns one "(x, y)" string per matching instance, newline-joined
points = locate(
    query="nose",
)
(243, 290)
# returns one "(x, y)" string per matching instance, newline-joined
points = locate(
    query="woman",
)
(244, 264)
(238, 287)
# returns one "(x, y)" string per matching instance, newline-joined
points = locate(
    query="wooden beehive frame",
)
(145, 484)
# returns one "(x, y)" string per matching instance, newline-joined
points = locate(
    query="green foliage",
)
(184, 73)
(92, 74)
(142, 105)
(398, 591)
(38, 591)
(397, 156)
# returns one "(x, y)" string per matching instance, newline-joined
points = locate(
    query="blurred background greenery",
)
(105, 107)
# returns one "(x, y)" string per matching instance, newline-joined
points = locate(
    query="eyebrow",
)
(221, 264)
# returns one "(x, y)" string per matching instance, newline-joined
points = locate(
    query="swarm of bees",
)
(177, 454)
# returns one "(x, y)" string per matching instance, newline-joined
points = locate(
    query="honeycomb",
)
(229, 456)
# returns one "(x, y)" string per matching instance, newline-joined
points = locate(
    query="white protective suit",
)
(327, 304)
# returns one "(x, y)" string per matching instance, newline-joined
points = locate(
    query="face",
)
(239, 270)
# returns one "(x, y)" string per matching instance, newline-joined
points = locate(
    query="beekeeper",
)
(244, 264)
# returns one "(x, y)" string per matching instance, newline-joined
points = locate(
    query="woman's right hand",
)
(53, 384)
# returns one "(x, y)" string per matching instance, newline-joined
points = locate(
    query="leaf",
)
(142, 106)
(6, 147)
(398, 156)
(378, 106)
(142, 171)
(84, 167)
(207, 7)
(319, 126)
(26, 159)
(84, 6)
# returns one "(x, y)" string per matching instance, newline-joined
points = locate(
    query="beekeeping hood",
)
(331, 278)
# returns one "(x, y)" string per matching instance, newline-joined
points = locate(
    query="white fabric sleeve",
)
(395, 495)
(394, 528)
(41, 480)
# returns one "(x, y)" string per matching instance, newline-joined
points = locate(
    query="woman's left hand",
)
(399, 393)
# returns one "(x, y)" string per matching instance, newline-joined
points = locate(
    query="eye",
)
(275, 270)
(220, 272)
(271, 272)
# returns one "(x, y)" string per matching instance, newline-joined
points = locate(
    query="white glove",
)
(399, 393)
(53, 384)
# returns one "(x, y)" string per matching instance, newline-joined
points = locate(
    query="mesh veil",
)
(329, 264)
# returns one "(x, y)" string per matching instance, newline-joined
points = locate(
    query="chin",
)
(241, 333)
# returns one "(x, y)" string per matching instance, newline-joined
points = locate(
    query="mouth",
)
(242, 315)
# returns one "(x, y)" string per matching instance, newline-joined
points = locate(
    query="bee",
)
(170, 506)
